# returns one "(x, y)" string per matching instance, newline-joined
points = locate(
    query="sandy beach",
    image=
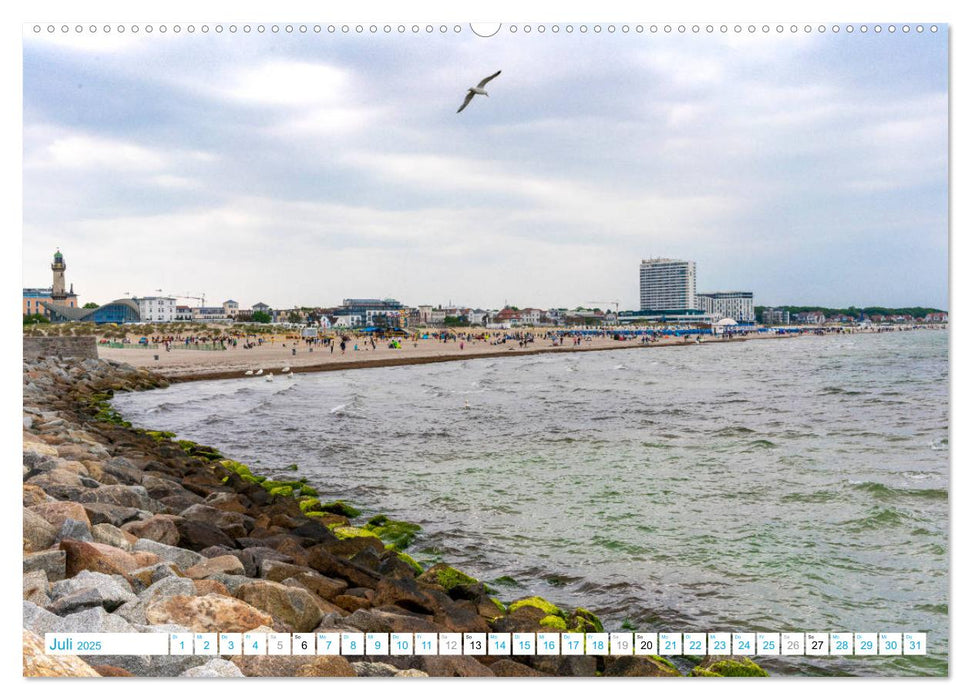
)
(279, 352)
(186, 364)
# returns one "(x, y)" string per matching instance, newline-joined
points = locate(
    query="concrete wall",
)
(82, 347)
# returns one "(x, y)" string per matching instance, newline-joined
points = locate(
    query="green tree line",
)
(854, 312)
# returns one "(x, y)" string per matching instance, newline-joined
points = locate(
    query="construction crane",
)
(615, 303)
(201, 298)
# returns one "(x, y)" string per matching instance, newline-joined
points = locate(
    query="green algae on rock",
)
(309, 505)
(664, 661)
(554, 621)
(396, 533)
(732, 667)
(447, 577)
(345, 532)
(410, 561)
(103, 412)
(296, 488)
(194, 449)
(536, 602)
(158, 435)
(586, 621)
(338, 507)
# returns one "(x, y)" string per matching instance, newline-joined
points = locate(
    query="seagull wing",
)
(486, 80)
(468, 98)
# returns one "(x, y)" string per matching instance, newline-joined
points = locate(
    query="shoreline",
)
(132, 530)
(187, 365)
(429, 359)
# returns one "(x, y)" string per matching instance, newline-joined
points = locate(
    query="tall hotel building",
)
(667, 284)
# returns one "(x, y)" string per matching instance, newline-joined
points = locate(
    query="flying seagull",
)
(477, 90)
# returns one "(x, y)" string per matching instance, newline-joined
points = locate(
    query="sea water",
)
(774, 485)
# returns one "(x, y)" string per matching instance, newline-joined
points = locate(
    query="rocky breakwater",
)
(128, 530)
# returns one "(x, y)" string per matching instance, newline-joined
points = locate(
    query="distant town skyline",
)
(304, 169)
(196, 301)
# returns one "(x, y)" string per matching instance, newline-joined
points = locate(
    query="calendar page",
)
(423, 348)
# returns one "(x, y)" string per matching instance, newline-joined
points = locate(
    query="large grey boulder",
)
(113, 591)
(183, 558)
(134, 610)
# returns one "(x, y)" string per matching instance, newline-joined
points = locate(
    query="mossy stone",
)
(238, 467)
(586, 615)
(731, 668)
(499, 604)
(340, 508)
(536, 602)
(397, 533)
(447, 577)
(296, 488)
(310, 504)
(666, 662)
(345, 532)
(411, 562)
(286, 491)
(553, 621)
(159, 435)
(203, 451)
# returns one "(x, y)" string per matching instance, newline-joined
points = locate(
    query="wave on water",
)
(821, 496)
(877, 518)
(838, 390)
(627, 548)
(919, 476)
(733, 431)
(761, 444)
(883, 492)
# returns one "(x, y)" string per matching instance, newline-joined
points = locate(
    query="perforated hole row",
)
(512, 28)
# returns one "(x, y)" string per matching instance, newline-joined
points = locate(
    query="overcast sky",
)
(302, 169)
